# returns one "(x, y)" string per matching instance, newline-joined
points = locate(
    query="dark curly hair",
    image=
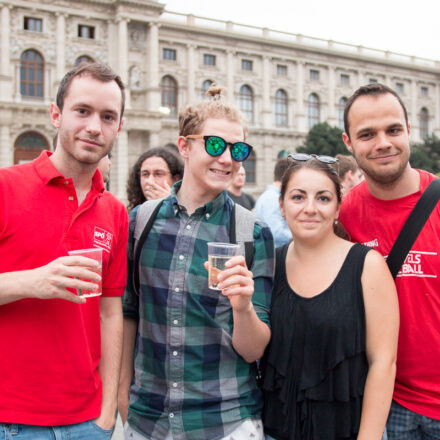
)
(135, 194)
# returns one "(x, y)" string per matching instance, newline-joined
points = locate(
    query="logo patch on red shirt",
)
(102, 238)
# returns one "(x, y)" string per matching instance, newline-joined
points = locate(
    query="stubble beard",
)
(387, 177)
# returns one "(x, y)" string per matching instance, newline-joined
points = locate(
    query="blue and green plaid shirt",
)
(188, 377)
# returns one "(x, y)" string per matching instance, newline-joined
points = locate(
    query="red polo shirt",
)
(50, 349)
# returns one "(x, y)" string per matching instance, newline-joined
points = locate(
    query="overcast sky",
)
(407, 27)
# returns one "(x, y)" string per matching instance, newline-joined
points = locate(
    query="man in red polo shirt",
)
(60, 361)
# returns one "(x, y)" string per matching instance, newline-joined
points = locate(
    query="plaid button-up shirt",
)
(188, 377)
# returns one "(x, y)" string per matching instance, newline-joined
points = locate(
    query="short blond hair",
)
(193, 116)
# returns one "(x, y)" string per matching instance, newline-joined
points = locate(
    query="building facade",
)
(283, 82)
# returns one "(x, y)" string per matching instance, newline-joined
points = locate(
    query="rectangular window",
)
(85, 31)
(314, 75)
(424, 91)
(373, 81)
(345, 79)
(246, 65)
(281, 70)
(169, 54)
(33, 24)
(208, 60)
(399, 88)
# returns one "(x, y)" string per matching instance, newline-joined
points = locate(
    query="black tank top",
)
(315, 367)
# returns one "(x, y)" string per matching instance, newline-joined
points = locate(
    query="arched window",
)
(246, 102)
(168, 91)
(31, 74)
(250, 165)
(205, 87)
(281, 108)
(28, 146)
(83, 59)
(313, 109)
(424, 119)
(341, 107)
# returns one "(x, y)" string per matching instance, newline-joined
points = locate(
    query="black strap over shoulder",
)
(412, 227)
(139, 246)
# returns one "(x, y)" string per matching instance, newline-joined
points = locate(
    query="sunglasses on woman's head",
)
(303, 157)
(215, 146)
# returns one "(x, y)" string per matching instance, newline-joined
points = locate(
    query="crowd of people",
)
(301, 341)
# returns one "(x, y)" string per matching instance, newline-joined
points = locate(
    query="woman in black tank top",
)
(328, 372)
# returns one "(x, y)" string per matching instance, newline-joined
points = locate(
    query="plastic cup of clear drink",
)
(94, 254)
(218, 255)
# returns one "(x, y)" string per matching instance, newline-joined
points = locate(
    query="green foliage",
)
(426, 155)
(324, 139)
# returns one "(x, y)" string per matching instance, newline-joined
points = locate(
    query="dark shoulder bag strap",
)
(412, 227)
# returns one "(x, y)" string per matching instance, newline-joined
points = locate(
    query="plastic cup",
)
(218, 255)
(94, 254)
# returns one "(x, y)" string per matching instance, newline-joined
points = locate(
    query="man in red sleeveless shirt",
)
(377, 133)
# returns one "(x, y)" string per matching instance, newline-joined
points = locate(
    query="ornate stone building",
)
(283, 82)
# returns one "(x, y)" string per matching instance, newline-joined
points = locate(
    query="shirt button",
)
(177, 290)
(71, 198)
(188, 226)
(171, 415)
(175, 385)
(175, 353)
(207, 215)
(181, 257)
(66, 182)
(175, 322)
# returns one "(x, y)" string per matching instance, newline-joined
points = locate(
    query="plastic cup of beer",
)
(94, 254)
(218, 255)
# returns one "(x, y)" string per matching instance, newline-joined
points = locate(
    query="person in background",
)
(328, 373)
(349, 172)
(152, 176)
(267, 207)
(377, 134)
(60, 366)
(236, 193)
(104, 167)
(189, 355)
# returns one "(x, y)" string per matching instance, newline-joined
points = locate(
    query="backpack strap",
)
(241, 231)
(145, 217)
(412, 227)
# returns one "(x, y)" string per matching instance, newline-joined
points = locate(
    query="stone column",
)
(191, 62)
(331, 114)
(267, 111)
(17, 96)
(123, 56)
(436, 115)
(6, 149)
(5, 66)
(230, 75)
(61, 46)
(153, 139)
(413, 118)
(122, 165)
(300, 111)
(153, 89)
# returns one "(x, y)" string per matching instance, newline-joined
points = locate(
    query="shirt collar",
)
(47, 172)
(209, 208)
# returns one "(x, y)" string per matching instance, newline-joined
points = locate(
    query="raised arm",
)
(50, 281)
